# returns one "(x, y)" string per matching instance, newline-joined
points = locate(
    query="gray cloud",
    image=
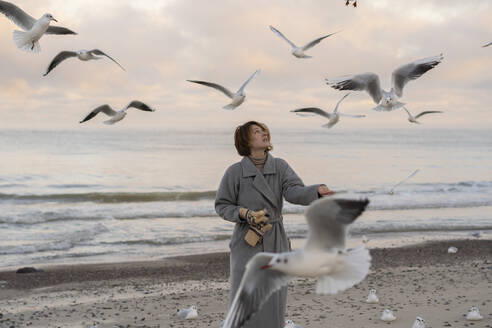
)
(225, 41)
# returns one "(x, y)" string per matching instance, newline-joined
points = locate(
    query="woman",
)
(251, 195)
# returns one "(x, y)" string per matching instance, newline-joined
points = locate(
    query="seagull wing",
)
(241, 89)
(315, 42)
(412, 71)
(428, 112)
(404, 180)
(256, 286)
(312, 110)
(215, 86)
(406, 110)
(140, 105)
(274, 30)
(338, 103)
(59, 30)
(17, 15)
(327, 221)
(364, 81)
(100, 53)
(59, 58)
(350, 115)
(103, 108)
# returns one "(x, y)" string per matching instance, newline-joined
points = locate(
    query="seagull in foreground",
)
(388, 315)
(299, 51)
(291, 324)
(323, 257)
(83, 55)
(372, 298)
(332, 117)
(237, 98)
(413, 119)
(486, 45)
(189, 313)
(348, 3)
(386, 101)
(116, 115)
(392, 191)
(34, 29)
(474, 314)
(419, 323)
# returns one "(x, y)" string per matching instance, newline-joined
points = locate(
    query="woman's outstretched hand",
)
(325, 191)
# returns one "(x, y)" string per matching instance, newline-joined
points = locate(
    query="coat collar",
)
(249, 169)
(259, 182)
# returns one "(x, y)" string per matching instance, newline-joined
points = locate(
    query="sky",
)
(163, 43)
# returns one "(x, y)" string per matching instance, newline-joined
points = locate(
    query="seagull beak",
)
(54, 20)
(268, 266)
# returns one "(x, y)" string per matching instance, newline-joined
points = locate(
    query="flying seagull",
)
(348, 3)
(392, 191)
(486, 45)
(83, 55)
(116, 115)
(386, 101)
(237, 98)
(34, 29)
(323, 257)
(332, 117)
(413, 119)
(299, 51)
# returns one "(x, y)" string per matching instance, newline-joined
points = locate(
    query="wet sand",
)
(418, 280)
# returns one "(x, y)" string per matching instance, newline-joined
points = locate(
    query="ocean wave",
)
(171, 240)
(60, 242)
(112, 197)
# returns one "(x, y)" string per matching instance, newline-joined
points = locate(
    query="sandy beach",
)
(418, 280)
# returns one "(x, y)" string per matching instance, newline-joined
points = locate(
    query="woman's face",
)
(258, 138)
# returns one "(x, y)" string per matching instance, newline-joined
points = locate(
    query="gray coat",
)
(243, 185)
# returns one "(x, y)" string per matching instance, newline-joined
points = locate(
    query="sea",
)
(112, 195)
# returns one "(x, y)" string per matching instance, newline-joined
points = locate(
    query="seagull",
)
(372, 298)
(34, 29)
(452, 250)
(474, 314)
(348, 3)
(332, 117)
(392, 191)
(386, 101)
(291, 324)
(388, 315)
(323, 257)
(116, 115)
(237, 98)
(189, 313)
(83, 55)
(413, 119)
(419, 323)
(486, 45)
(299, 51)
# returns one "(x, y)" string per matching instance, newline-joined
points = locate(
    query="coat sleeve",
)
(226, 199)
(294, 190)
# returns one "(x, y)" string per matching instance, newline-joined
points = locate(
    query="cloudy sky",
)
(163, 43)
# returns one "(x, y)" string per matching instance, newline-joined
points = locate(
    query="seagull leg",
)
(355, 3)
(32, 45)
(347, 3)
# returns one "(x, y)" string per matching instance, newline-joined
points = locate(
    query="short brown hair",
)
(241, 137)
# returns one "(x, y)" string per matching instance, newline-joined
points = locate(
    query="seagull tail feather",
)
(356, 264)
(24, 42)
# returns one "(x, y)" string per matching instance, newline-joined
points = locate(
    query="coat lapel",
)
(259, 182)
